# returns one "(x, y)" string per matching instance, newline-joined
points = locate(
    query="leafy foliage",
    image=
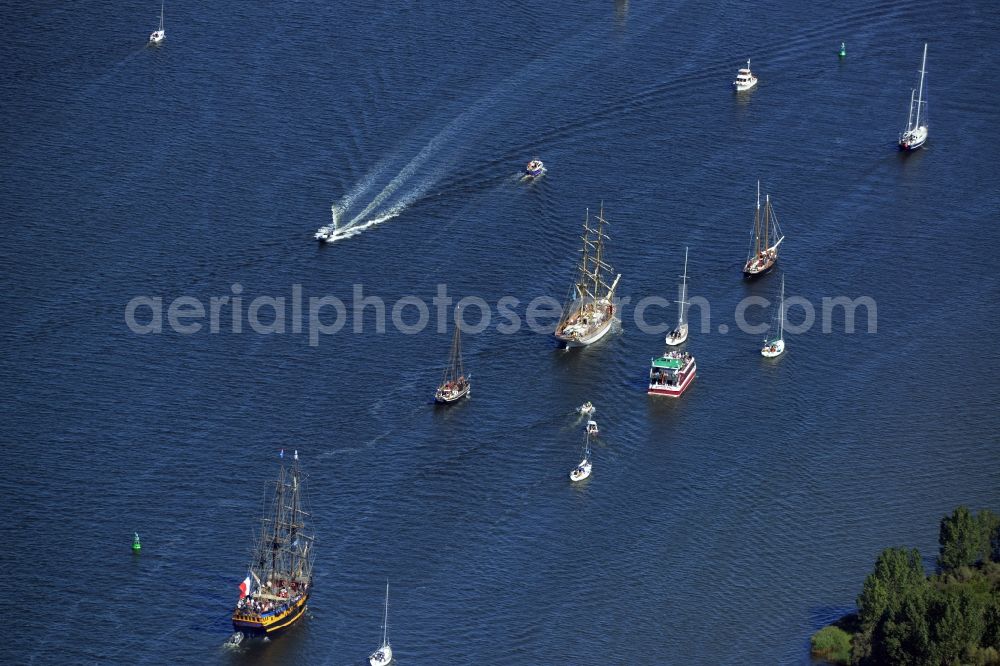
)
(964, 538)
(832, 644)
(950, 617)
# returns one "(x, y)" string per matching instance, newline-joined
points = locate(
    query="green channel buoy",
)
(136, 546)
(843, 50)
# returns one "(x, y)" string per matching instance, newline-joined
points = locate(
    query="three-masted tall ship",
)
(763, 253)
(274, 594)
(590, 313)
(455, 384)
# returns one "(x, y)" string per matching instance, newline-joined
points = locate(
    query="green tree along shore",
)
(907, 617)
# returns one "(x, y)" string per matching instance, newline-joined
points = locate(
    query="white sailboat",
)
(583, 468)
(776, 346)
(680, 334)
(159, 34)
(915, 134)
(383, 655)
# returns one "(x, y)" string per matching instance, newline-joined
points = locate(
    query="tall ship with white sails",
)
(915, 134)
(763, 253)
(275, 592)
(590, 313)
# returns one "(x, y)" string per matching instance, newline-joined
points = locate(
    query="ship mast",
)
(920, 95)
(781, 311)
(767, 219)
(454, 369)
(756, 224)
(909, 119)
(581, 284)
(680, 303)
(282, 552)
(597, 254)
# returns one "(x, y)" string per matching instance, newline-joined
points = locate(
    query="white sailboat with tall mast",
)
(776, 346)
(159, 34)
(915, 134)
(383, 655)
(762, 255)
(584, 467)
(591, 312)
(680, 334)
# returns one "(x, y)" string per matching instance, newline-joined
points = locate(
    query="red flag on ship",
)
(245, 587)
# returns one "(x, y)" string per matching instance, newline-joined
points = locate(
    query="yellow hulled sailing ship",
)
(275, 593)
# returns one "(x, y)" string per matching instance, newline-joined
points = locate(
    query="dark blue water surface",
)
(724, 527)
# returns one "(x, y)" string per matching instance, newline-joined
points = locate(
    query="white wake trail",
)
(358, 223)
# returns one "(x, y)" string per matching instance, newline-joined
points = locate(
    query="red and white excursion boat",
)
(671, 374)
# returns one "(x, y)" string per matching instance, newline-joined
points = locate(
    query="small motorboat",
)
(745, 79)
(586, 408)
(534, 168)
(592, 427)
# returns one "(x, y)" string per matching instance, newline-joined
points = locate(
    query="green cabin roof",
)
(668, 363)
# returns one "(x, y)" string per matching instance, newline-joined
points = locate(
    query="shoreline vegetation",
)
(905, 616)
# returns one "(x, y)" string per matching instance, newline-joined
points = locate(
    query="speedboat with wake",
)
(534, 169)
(331, 233)
(586, 409)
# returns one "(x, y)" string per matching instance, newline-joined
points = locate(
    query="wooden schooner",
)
(274, 594)
(590, 313)
(762, 255)
(455, 385)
